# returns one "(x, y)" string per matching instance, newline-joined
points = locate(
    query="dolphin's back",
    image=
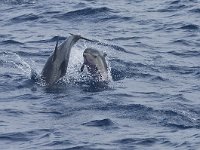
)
(50, 73)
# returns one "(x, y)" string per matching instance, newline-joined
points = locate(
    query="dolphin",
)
(96, 64)
(56, 65)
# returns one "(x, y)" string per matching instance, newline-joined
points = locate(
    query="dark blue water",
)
(153, 100)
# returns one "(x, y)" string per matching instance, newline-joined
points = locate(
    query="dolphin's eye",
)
(95, 56)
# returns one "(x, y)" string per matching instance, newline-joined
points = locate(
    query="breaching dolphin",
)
(56, 65)
(96, 64)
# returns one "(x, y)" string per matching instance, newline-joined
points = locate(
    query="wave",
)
(59, 143)
(29, 54)
(165, 117)
(173, 8)
(53, 39)
(24, 18)
(12, 112)
(118, 74)
(96, 15)
(83, 12)
(24, 136)
(121, 69)
(183, 42)
(12, 42)
(14, 137)
(113, 46)
(179, 117)
(114, 17)
(175, 2)
(128, 38)
(100, 123)
(190, 27)
(138, 141)
(19, 2)
(176, 5)
(83, 148)
(180, 69)
(185, 53)
(51, 12)
(14, 61)
(195, 10)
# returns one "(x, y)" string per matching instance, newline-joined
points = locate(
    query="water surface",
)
(153, 100)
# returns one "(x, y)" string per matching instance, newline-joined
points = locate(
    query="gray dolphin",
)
(56, 65)
(96, 63)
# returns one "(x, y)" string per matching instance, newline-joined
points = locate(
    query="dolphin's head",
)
(95, 62)
(91, 56)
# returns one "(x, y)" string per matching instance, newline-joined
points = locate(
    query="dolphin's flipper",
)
(82, 67)
(55, 51)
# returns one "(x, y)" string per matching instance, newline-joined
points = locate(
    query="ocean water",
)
(152, 101)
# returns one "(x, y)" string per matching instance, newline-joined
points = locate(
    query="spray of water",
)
(14, 61)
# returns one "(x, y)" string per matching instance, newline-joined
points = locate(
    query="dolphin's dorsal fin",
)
(82, 67)
(55, 51)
